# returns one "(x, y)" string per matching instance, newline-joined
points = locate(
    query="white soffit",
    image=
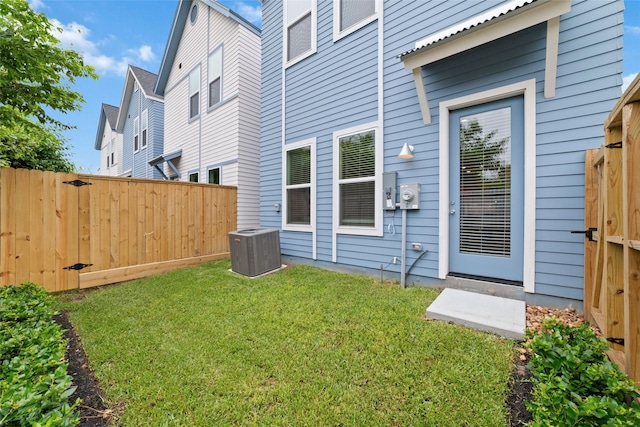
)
(498, 22)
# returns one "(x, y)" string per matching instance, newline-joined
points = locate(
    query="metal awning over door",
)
(498, 22)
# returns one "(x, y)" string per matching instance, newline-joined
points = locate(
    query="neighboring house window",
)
(298, 183)
(349, 15)
(112, 149)
(355, 153)
(194, 92)
(300, 29)
(145, 126)
(214, 176)
(136, 134)
(215, 77)
(193, 15)
(107, 161)
(193, 177)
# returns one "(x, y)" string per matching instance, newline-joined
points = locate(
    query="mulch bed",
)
(94, 413)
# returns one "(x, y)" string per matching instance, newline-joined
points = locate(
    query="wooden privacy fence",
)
(612, 213)
(67, 231)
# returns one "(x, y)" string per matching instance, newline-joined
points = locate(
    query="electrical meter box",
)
(410, 196)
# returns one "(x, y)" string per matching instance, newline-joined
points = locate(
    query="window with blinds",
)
(136, 132)
(354, 11)
(298, 186)
(145, 127)
(194, 92)
(485, 183)
(356, 179)
(299, 37)
(299, 28)
(215, 76)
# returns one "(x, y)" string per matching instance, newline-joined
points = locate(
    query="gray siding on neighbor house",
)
(336, 88)
(138, 162)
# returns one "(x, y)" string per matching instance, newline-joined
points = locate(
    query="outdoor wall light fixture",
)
(407, 152)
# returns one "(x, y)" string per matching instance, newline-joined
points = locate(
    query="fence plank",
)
(99, 278)
(7, 227)
(36, 267)
(590, 221)
(123, 223)
(49, 225)
(631, 206)
(72, 236)
(22, 225)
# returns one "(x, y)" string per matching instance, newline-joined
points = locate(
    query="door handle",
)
(452, 212)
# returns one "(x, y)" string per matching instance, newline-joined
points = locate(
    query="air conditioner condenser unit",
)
(255, 251)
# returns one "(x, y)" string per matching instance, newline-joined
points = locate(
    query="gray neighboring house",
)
(141, 122)
(109, 141)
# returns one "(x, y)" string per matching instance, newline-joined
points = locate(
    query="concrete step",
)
(501, 316)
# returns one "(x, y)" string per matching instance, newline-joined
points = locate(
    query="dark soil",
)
(521, 388)
(93, 412)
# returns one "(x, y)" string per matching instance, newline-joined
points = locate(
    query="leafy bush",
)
(575, 383)
(34, 384)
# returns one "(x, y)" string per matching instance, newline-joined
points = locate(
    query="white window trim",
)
(376, 230)
(193, 172)
(197, 116)
(209, 169)
(337, 34)
(311, 143)
(143, 127)
(314, 34)
(136, 124)
(528, 89)
(209, 79)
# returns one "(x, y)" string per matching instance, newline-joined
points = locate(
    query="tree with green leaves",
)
(36, 74)
(481, 158)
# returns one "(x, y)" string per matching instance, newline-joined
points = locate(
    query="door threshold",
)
(478, 285)
(487, 279)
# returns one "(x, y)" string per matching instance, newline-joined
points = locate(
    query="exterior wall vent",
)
(255, 251)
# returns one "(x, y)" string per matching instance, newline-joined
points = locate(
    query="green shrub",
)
(34, 384)
(575, 383)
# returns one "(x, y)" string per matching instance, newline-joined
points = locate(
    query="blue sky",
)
(114, 33)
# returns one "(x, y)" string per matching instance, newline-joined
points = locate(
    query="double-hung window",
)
(194, 177)
(300, 22)
(299, 177)
(349, 15)
(194, 93)
(215, 77)
(145, 127)
(136, 134)
(213, 176)
(356, 172)
(112, 151)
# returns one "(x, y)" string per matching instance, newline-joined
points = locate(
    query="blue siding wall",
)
(138, 162)
(337, 88)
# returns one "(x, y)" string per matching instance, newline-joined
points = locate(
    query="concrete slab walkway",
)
(501, 316)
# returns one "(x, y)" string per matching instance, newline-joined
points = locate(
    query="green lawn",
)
(203, 346)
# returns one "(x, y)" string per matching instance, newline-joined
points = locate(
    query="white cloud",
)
(78, 37)
(143, 53)
(250, 13)
(36, 4)
(626, 81)
(635, 30)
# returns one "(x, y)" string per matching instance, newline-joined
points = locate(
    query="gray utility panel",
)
(255, 251)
